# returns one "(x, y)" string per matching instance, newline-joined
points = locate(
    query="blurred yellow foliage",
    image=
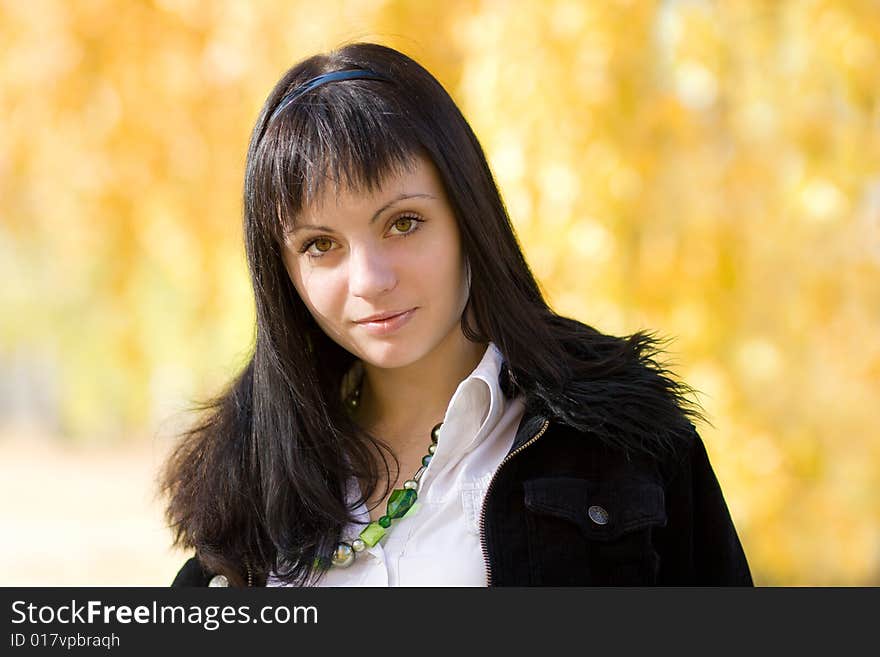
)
(708, 170)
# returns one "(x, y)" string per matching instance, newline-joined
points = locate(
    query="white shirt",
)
(438, 543)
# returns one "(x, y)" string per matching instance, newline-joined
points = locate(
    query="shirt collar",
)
(477, 404)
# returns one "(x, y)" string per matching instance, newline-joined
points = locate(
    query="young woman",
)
(413, 412)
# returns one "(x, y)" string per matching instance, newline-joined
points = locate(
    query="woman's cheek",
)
(327, 295)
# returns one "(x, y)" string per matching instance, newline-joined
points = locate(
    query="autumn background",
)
(708, 170)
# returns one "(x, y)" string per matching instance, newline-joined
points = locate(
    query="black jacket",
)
(567, 508)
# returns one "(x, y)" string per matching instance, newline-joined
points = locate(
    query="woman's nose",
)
(370, 272)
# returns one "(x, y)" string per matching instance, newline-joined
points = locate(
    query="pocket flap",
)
(603, 510)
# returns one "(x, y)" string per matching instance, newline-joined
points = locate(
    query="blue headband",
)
(359, 74)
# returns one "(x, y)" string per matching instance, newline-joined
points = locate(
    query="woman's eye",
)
(322, 244)
(317, 247)
(406, 225)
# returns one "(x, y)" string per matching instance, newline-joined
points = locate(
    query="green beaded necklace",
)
(400, 503)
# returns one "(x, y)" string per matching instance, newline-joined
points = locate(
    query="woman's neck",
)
(401, 405)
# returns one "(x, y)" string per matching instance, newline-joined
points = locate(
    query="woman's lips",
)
(389, 325)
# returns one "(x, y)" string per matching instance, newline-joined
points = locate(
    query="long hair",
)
(259, 484)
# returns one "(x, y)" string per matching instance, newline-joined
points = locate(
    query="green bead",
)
(385, 522)
(372, 533)
(426, 460)
(400, 502)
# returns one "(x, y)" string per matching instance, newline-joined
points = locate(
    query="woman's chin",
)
(390, 355)
(387, 361)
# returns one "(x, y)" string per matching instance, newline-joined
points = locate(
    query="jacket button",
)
(219, 580)
(598, 515)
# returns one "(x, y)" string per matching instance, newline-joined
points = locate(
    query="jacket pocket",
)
(585, 532)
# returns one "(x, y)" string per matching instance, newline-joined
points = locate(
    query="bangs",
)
(344, 135)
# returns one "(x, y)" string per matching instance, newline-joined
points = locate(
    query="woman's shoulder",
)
(620, 390)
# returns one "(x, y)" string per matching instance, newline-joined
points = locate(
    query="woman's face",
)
(392, 256)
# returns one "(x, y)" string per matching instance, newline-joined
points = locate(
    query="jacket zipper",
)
(489, 490)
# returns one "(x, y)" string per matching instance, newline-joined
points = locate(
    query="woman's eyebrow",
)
(376, 215)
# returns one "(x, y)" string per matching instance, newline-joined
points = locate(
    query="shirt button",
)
(598, 515)
(219, 580)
